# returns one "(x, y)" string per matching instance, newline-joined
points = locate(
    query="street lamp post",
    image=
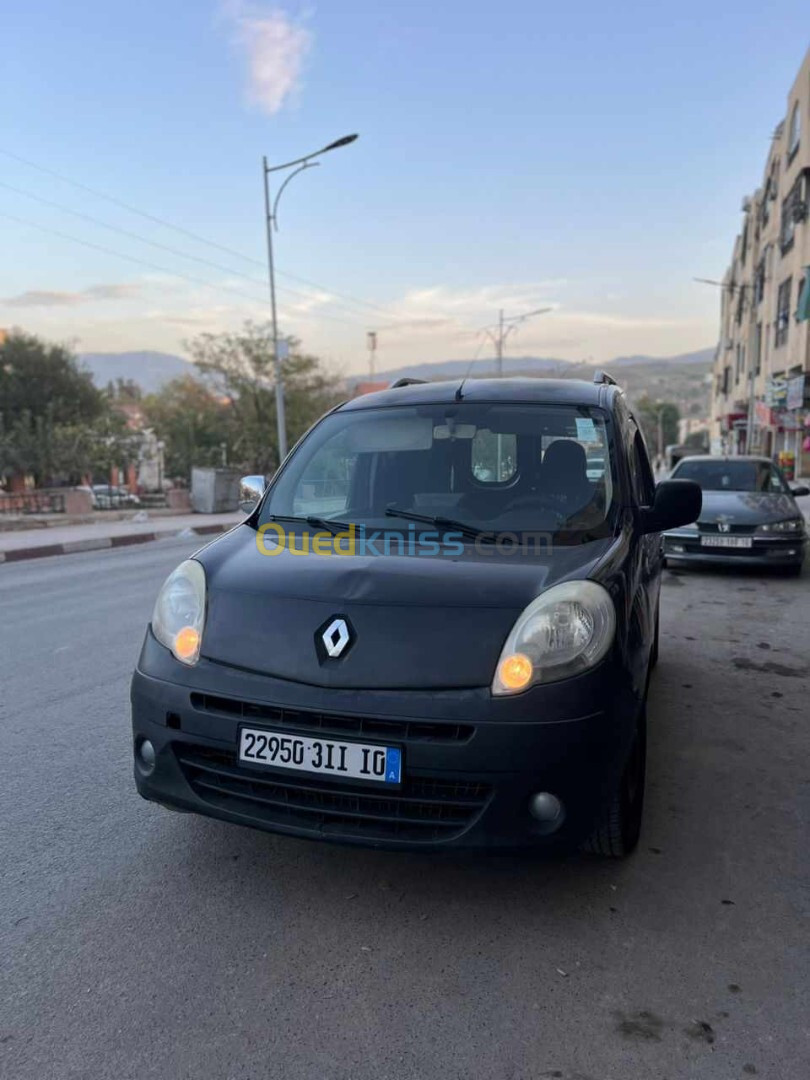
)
(271, 224)
(498, 336)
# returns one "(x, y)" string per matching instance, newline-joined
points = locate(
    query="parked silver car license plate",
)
(726, 541)
(327, 757)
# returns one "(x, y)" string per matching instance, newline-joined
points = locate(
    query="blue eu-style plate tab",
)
(393, 766)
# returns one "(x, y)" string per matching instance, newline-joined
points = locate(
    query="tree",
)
(240, 367)
(37, 377)
(55, 426)
(195, 424)
(659, 422)
(43, 395)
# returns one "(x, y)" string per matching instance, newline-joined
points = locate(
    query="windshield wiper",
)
(440, 522)
(334, 527)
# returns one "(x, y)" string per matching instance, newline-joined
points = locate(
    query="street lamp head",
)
(338, 143)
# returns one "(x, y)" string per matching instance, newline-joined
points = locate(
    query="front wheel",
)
(619, 828)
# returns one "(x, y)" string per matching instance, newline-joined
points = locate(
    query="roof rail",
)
(405, 382)
(602, 377)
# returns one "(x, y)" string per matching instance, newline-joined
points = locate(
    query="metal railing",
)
(32, 502)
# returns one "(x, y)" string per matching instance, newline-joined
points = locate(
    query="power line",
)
(170, 225)
(136, 236)
(151, 265)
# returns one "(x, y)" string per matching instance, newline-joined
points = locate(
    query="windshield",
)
(470, 469)
(723, 475)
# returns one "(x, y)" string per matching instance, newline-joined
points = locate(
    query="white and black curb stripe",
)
(73, 547)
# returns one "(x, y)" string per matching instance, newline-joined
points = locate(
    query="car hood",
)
(747, 507)
(416, 622)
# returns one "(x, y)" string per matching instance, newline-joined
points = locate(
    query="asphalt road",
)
(136, 943)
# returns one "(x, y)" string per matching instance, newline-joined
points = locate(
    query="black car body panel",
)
(426, 638)
(263, 611)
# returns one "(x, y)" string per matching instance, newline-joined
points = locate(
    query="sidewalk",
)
(71, 539)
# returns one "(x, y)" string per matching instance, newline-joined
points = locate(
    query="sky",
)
(585, 158)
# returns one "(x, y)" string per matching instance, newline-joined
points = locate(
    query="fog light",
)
(145, 754)
(545, 807)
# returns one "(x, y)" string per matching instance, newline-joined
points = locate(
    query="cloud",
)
(52, 298)
(275, 47)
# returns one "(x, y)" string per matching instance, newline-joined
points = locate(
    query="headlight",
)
(177, 621)
(566, 630)
(792, 525)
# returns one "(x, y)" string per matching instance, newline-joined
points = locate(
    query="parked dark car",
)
(433, 630)
(749, 516)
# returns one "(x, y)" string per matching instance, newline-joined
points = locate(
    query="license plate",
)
(726, 541)
(324, 757)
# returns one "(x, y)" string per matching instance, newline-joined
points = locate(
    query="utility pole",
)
(281, 418)
(271, 224)
(503, 328)
(371, 341)
(499, 343)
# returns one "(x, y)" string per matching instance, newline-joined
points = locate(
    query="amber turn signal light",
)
(186, 643)
(515, 671)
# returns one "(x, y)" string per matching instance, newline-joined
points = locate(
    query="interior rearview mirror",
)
(251, 489)
(677, 502)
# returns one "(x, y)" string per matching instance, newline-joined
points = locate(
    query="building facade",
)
(761, 376)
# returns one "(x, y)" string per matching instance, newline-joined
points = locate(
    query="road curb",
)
(100, 543)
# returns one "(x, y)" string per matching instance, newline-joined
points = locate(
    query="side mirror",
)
(797, 490)
(677, 502)
(251, 489)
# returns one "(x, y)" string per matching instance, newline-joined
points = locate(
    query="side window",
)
(641, 474)
(493, 458)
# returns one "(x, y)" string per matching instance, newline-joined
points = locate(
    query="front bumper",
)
(765, 550)
(471, 762)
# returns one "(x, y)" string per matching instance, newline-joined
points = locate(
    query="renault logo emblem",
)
(336, 636)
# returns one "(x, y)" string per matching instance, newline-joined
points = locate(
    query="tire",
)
(793, 571)
(618, 831)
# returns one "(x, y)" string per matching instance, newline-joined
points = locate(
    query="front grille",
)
(337, 725)
(423, 809)
(732, 530)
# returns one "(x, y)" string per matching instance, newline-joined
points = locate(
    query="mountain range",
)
(680, 379)
(531, 365)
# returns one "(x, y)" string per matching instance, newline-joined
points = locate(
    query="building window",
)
(740, 364)
(757, 349)
(783, 312)
(726, 379)
(794, 211)
(759, 281)
(794, 132)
